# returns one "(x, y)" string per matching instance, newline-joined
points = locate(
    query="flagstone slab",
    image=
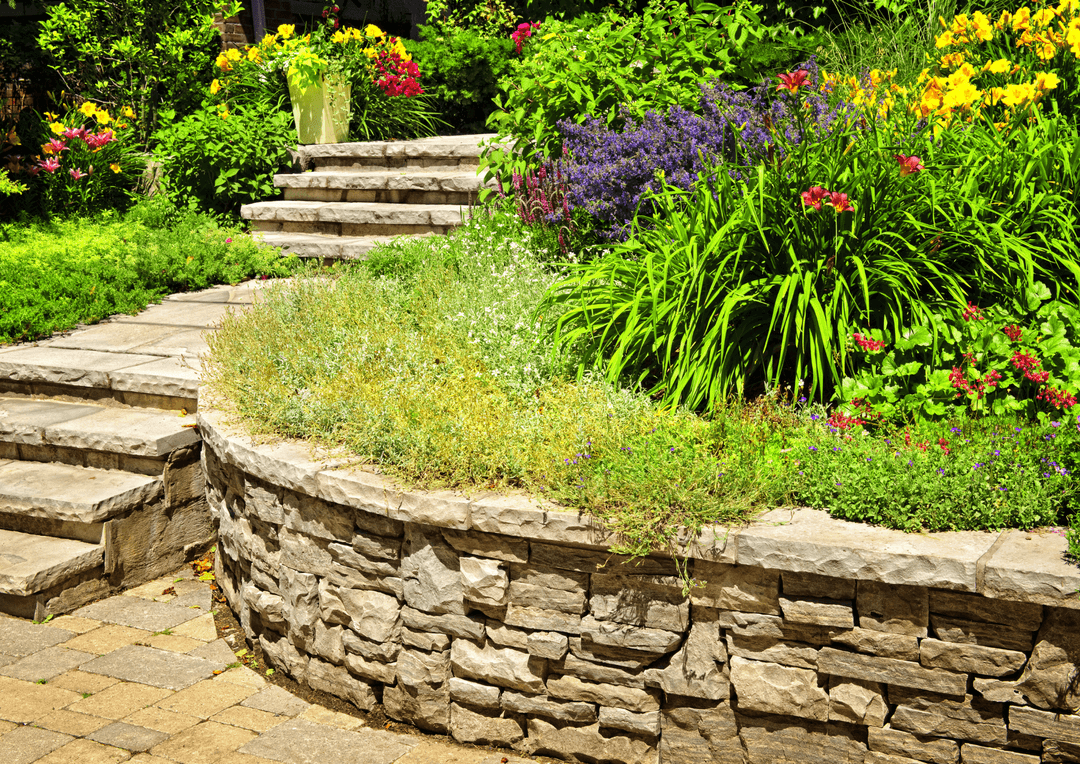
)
(28, 744)
(157, 668)
(128, 736)
(46, 664)
(19, 638)
(113, 337)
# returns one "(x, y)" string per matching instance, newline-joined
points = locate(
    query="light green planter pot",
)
(321, 112)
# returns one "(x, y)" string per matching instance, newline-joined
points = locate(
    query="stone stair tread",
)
(71, 493)
(30, 564)
(137, 432)
(353, 212)
(130, 372)
(421, 148)
(325, 246)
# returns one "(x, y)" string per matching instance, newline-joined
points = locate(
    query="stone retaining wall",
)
(500, 622)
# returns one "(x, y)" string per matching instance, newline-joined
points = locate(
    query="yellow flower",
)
(285, 31)
(371, 53)
(46, 149)
(338, 36)
(1068, 7)
(233, 55)
(983, 31)
(114, 167)
(269, 40)
(1072, 39)
(1046, 80)
(253, 54)
(128, 112)
(997, 67)
(52, 116)
(57, 127)
(215, 86)
(1019, 95)
(1043, 17)
(1021, 20)
(222, 62)
(1004, 20)
(373, 31)
(88, 108)
(952, 60)
(224, 113)
(944, 40)
(103, 117)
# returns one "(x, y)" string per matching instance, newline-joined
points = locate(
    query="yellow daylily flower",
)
(285, 31)
(114, 167)
(57, 127)
(373, 31)
(88, 108)
(215, 86)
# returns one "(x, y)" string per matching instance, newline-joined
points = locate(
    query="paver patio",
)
(143, 677)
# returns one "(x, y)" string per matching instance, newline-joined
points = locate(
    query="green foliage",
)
(8, 187)
(610, 66)
(145, 54)
(461, 69)
(1072, 536)
(968, 364)
(973, 475)
(218, 162)
(56, 275)
(490, 19)
(378, 117)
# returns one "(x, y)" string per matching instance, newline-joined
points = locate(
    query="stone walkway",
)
(143, 677)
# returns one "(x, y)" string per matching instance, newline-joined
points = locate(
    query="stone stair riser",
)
(125, 397)
(62, 597)
(381, 196)
(81, 457)
(91, 533)
(374, 164)
(349, 229)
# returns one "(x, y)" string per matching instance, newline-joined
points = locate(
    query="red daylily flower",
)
(839, 202)
(908, 165)
(814, 196)
(793, 80)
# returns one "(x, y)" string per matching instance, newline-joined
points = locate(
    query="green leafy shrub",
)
(461, 70)
(607, 66)
(218, 161)
(144, 54)
(1019, 361)
(56, 275)
(1072, 536)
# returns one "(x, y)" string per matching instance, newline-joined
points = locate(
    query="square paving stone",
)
(24, 702)
(106, 639)
(244, 676)
(26, 744)
(200, 628)
(120, 700)
(6, 659)
(206, 698)
(300, 742)
(173, 643)
(277, 701)
(249, 718)
(19, 638)
(75, 624)
(85, 752)
(138, 613)
(128, 736)
(204, 743)
(158, 668)
(201, 600)
(45, 664)
(71, 723)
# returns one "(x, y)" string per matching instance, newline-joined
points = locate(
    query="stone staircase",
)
(353, 195)
(101, 485)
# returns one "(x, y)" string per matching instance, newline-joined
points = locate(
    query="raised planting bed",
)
(499, 620)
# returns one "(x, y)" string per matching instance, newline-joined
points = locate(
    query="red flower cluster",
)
(1059, 399)
(867, 343)
(816, 196)
(973, 313)
(398, 78)
(842, 421)
(1012, 332)
(523, 32)
(976, 387)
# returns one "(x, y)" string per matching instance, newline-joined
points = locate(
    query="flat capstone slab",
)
(128, 736)
(19, 638)
(301, 742)
(99, 369)
(46, 664)
(139, 613)
(77, 494)
(30, 564)
(157, 668)
(136, 432)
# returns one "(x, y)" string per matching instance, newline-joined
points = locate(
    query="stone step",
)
(93, 435)
(131, 378)
(36, 569)
(327, 248)
(443, 152)
(352, 218)
(66, 501)
(401, 186)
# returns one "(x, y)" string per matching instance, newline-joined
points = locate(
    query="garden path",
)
(350, 196)
(146, 677)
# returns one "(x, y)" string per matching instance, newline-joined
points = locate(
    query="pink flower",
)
(973, 313)
(793, 80)
(78, 174)
(1012, 332)
(867, 343)
(908, 165)
(228, 241)
(75, 133)
(814, 196)
(55, 146)
(96, 140)
(524, 31)
(52, 164)
(839, 202)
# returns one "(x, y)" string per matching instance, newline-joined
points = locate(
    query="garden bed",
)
(503, 620)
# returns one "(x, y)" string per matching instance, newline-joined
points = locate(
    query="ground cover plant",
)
(57, 274)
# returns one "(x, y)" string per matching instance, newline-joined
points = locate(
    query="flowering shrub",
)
(87, 162)
(986, 361)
